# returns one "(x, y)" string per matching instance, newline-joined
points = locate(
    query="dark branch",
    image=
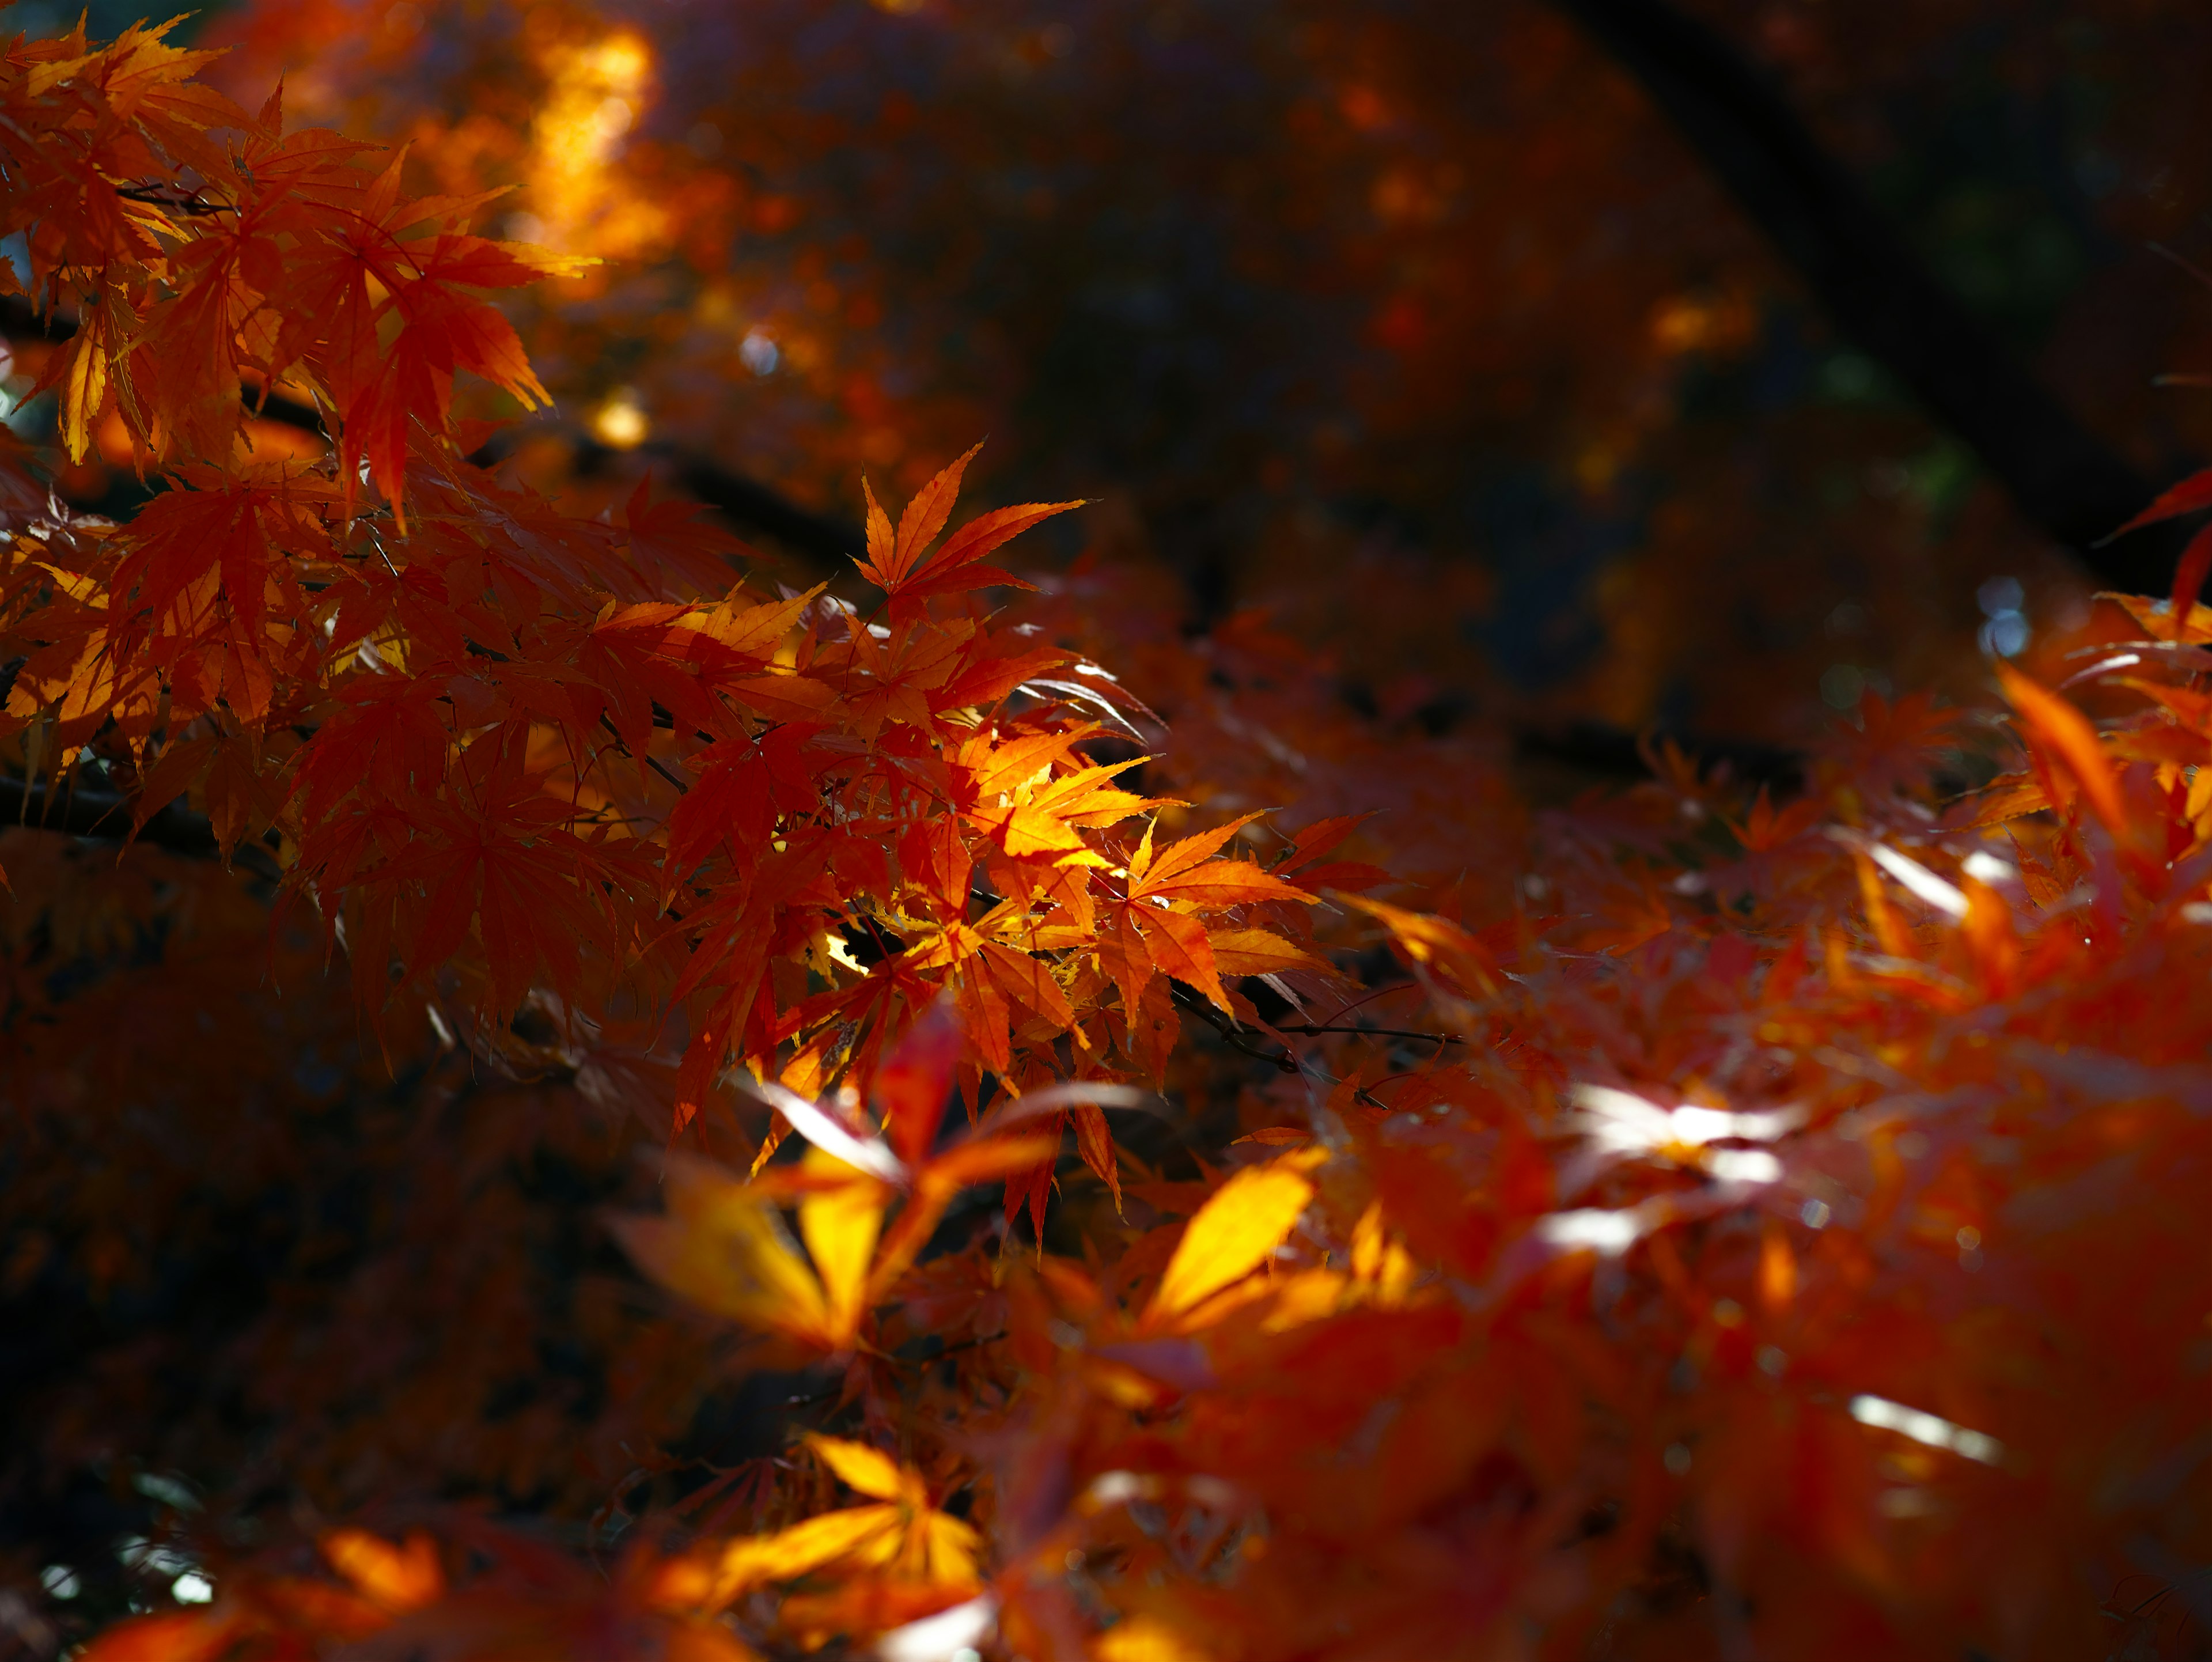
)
(753, 506)
(101, 815)
(1311, 1027)
(1608, 752)
(176, 201)
(2058, 474)
(652, 761)
(748, 504)
(1234, 1036)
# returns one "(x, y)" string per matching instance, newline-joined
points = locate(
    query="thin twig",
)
(154, 196)
(1373, 1032)
(652, 761)
(1287, 1061)
(1230, 1032)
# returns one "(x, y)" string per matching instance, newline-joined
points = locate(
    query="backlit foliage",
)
(1677, 1223)
(1422, 291)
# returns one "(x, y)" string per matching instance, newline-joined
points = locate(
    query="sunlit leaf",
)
(1235, 1231)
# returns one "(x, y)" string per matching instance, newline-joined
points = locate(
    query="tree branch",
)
(102, 815)
(750, 505)
(747, 504)
(1609, 752)
(1822, 222)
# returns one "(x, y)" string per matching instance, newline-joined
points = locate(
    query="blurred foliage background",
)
(1416, 324)
(1413, 326)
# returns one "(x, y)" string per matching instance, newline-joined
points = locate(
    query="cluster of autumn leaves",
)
(1766, 1227)
(523, 755)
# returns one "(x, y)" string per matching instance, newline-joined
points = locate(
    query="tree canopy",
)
(634, 1028)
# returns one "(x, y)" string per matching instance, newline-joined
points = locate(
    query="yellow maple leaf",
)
(902, 1535)
(723, 1246)
(1237, 1230)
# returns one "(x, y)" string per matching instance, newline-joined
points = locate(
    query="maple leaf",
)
(1261, 953)
(1043, 817)
(665, 539)
(2191, 495)
(898, 564)
(919, 1071)
(1437, 945)
(1237, 1230)
(352, 280)
(904, 1536)
(891, 680)
(397, 1579)
(2066, 733)
(1156, 928)
(1137, 941)
(913, 1082)
(1187, 871)
(743, 787)
(84, 372)
(2189, 574)
(497, 856)
(1304, 856)
(723, 1244)
(724, 1247)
